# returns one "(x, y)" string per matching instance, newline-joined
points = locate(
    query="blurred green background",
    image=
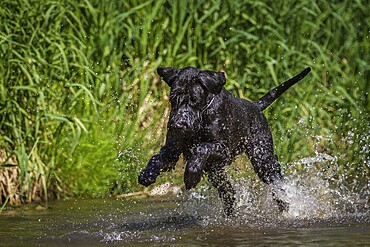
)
(82, 109)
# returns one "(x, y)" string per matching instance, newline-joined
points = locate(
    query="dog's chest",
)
(212, 129)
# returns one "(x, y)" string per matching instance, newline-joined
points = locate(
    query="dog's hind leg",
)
(268, 169)
(265, 163)
(219, 179)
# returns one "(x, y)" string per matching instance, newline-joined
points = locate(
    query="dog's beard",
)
(185, 123)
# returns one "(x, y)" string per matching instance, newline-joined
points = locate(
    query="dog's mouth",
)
(185, 129)
(184, 122)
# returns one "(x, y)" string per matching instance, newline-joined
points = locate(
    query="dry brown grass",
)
(9, 180)
(12, 191)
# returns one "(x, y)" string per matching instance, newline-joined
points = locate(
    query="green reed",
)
(82, 108)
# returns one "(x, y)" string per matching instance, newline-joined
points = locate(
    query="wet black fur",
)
(210, 127)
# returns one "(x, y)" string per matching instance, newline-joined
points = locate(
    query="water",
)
(317, 217)
(326, 209)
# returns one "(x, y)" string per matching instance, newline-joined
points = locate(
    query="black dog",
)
(210, 127)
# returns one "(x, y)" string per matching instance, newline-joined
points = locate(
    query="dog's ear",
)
(168, 74)
(213, 81)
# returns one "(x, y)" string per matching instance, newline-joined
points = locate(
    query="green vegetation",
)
(82, 109)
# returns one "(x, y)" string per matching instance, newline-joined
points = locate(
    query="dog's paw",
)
(282, 205)
(229, 211)
(191, 179)
(193, 171)
(148, 176)
(280, 197)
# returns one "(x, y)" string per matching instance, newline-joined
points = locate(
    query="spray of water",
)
(314, 190)
(317, 189)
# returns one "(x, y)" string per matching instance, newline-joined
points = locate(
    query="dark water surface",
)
(191, 220)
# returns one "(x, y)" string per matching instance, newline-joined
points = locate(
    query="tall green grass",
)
(82, 108)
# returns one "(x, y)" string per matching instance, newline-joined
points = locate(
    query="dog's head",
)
(191, 92)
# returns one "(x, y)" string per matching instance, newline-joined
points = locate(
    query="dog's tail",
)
(273, 94)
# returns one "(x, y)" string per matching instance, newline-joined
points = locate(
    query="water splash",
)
(315, 191)
(319, 192)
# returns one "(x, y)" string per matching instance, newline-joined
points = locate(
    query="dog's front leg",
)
(165, 160)
(212, 158)
(199, 157)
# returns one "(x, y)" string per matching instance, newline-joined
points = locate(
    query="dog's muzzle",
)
(184, 121)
